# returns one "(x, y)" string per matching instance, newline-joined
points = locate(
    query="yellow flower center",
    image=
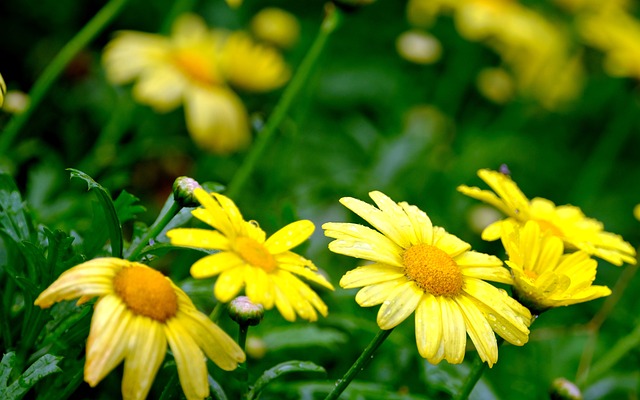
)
(255, 254)
(433, 270)
(196, 65)
(146, 292)
(531, 274)
(550, 228)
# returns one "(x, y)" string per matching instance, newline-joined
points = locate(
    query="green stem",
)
(170, 209)
(57, 65)
(360, 363)
(332, 19)
(621, 349)
(217, 312)
(477, 369)
(243, 374)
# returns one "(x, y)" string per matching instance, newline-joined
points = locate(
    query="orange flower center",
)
(433, 270)
(549, 228)
(255, 254)
(146, 292)
(196, 65)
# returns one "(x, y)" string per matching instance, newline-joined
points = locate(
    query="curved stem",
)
(331, 21)
(360, 363)
(477, 369)
(217, 312)
(169, 211)
(57, 65)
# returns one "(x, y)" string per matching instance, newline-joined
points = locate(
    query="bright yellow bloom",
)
(137, 313)
(566, 222)
(246, 258)
(545, 277)
(276, 26)
(420, 267)
(194, 67)
(3, 90)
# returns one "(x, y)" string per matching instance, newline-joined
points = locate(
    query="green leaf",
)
(42, 367)
(216, 390)
(113, 223)
(304, 337)
(279, 370)
(13, 216)
(127, 206)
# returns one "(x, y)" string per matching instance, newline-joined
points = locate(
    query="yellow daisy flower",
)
(266, 268)
(420, 267)
(137, 313)
(566, 222)
(194, 67)
(545, 277)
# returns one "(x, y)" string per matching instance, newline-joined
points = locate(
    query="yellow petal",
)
(421, 223)
(215, 263)
(199, 238)
(257, 287)
(131, 53)
(229, 284)
(454, 333)
(290, 236)
(161, 87)
(479, 330)
(376, 294)
(282, 302)
(486, 196)
(192, 370)
(429, 329)
(290, 287)
(450, 244)
(362, 242)
(108, 338)
(146, 350)
(516, 202)
(399, 304)
(216, 119)
(382, 220)
(370, 275)
(309, 275)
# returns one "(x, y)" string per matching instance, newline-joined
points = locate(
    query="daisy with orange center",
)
(566, 222)
(137, 313)
(267, 269)
(194, 67)
(418, 267)
(545, 277)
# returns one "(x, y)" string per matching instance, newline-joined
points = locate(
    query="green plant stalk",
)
(477, 369)
(360, 363)
(42, 85)
(621, 349)
(243, 374)
(217, 312)
(163, 219)
(333, 18)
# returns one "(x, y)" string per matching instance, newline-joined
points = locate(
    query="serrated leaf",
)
(127, 206)
(280, 370)
(41, 368)
(106, 202)
(13, 218)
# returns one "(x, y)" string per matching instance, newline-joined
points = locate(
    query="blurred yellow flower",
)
(3, 90)
(194, 67)
(276, 26)
(137, 313)
(420, 267)
(566, 222)
(496, 84)
(15, 101)
(246, 258)
(418, 47)
(544, 277)
(636, 212)
(234, 3)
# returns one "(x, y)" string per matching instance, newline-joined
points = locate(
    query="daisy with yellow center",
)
(137, 313)
(545, 277)
(566, 222)
(194, 67)
(266, 268)
(418, 267)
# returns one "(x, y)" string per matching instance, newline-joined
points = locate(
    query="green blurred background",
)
(368, 120)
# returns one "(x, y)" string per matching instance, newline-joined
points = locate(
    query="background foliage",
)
(368, 120)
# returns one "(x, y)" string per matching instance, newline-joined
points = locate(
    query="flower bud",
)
(15, 102)
(245, 312)
(563, 389)
(183, 188)
(418, 47)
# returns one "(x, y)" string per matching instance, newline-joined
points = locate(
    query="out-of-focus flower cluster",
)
(540, 49)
